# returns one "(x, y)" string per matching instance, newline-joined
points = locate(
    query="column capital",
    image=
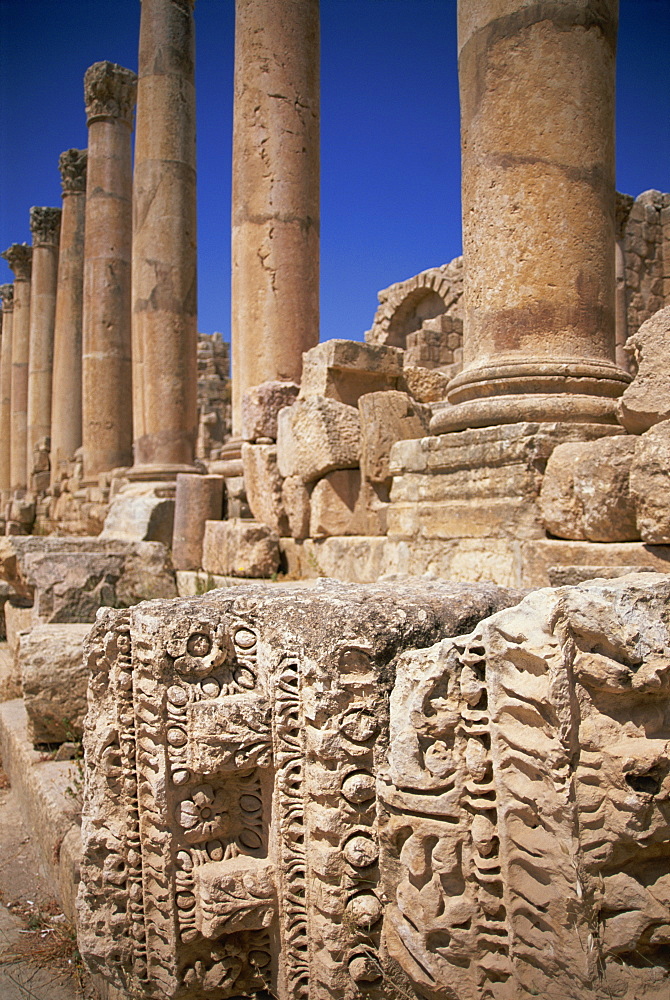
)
(109, 92)
(72, 167)
(19, 256)
(45, 225)
(7, 296)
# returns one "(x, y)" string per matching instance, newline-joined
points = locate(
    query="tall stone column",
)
(7, 296)
(109, 92)
(275, 217)
(19, 257)
(45, 229)
(164, 288)
(537, 128)
(66, 395)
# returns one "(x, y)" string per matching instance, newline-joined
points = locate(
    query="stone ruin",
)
(442, 773)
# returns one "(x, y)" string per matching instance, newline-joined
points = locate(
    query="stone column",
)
(45, 229)
(623, 205)
(164, 288)
(19, 257)
(7, 295)
(66, 396)
(198, 499)
(109, 92)
(537, 128)
(275, 216)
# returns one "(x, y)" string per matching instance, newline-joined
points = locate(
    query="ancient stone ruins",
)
(442, 773)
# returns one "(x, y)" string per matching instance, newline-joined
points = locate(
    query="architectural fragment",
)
(275, 217)
(230, 832)
(109, 94)
(19, 257)
(164, 284)
(646, 401)
(66, 414)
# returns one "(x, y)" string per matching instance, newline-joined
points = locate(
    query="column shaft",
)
(164, 287)
(106, 368)
(537, 128)
(275, 215)
(19, 257)
(7, 295)
(45, 228)
(66, 396)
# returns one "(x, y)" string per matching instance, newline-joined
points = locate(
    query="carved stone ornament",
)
(72, 166)
(19, 256)
(295, 794)
(230, 826)
(109, 92)
(7, 296)
(45, 226)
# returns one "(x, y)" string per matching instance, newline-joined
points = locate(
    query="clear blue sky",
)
(389, 139)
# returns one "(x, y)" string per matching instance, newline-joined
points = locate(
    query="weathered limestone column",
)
(164, 287)
(623, 205)
(537, 127)
(275, 217)
(66, 396)
(7, 296)
(19, 257)
(45, 229)
(109, 92)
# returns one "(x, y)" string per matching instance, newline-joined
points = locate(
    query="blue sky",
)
(390, 172)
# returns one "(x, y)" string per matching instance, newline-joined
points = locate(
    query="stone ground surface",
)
(38, 958)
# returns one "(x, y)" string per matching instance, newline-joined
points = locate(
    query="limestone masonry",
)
(443, 773)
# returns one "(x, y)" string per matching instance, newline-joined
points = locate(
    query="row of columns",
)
(537, 91)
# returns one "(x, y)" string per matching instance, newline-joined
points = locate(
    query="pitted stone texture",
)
(240, 548)
(650, 484)
(232, 748)
(261, 405)
(517, 753)
(646, 401)
(423, 384)
(316, 436)
(70, 578)
(263, 485)
(347, 369)
(585, 491)
(54, 678)
(387, 417)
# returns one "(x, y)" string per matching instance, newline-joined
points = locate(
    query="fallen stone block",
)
(646, 401)
(263, 484)
(333, 502)
(424, 384)
(650, 483)
(585, 491)
(316, 436)
(387, 417)
(261, 405)
(54, 679)
(296, 503)
(240, 548)
(347, 369)
(140, 519)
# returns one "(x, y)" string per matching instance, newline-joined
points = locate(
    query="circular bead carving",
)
(361, 851)
(364, 969)
(359, 725)
(358, 787)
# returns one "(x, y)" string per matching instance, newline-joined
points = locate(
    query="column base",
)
(158, 473)
(519, 408)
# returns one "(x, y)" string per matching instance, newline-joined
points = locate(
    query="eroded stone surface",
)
(585, 491)
(646, 401)
(54, 679)
(649, 483)
(239, 547)
(316, 436)
(261, 405)
(230, 833)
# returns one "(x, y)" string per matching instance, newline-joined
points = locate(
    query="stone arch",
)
(405, 306)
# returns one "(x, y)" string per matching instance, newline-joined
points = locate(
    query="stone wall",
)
(646, 244)
(214, 407)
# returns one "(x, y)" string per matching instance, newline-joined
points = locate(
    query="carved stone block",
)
(230, 829)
